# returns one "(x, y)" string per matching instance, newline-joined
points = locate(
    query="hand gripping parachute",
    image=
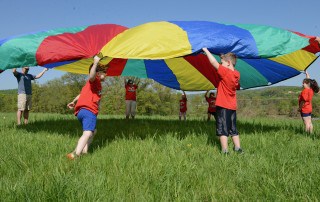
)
(168, 52)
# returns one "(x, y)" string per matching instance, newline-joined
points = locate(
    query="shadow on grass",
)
(111, 129)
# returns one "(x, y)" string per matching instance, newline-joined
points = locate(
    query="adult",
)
(25, 92)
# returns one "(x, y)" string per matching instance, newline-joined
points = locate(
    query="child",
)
(226, 102)
(310, 86)
(87, 107)
(131, 98)
(212, 105)
(183, 106)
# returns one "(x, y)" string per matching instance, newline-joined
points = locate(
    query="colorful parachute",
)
(168, 52)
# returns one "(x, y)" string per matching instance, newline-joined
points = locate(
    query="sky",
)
(21, 16)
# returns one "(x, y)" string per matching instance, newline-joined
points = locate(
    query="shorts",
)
(305, 114)
(183, 113)
(87, 119)
(212, 113)
(24, 102)
(226, 122)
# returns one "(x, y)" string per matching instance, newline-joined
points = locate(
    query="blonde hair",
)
(100, 68)
(229, 57)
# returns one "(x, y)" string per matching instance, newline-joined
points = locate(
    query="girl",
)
(310, 86)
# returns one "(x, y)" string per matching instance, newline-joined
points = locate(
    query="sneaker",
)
(225, 152)
(239, 151)
(71, 156)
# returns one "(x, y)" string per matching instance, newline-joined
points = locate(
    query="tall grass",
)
(157, 159)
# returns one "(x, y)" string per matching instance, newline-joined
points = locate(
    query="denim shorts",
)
(87, 119)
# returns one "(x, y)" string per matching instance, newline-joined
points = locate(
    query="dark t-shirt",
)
(24, 83)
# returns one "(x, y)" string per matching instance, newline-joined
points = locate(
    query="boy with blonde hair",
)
(226, 100)
(87, 107)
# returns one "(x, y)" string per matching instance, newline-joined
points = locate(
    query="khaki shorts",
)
(24, 102)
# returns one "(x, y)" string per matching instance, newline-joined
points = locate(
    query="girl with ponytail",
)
(310, 86)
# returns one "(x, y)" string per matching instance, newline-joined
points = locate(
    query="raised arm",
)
(206, 94)
(93, 71)
(73, 103)
(14, 71)
(41, 73)
(307, 75)
(212, 60)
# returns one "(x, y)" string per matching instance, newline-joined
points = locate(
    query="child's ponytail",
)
(314, 85)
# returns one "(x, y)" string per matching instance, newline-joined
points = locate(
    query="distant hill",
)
(8, 92)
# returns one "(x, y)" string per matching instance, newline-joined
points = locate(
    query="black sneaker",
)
(239, 151)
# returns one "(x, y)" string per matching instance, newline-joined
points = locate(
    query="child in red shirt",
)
(310, 86)
(212, 105)
(183, 106)
(131, 98)
(87, 107)
(226, 101)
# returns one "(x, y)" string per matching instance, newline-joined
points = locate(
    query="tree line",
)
(154, 99)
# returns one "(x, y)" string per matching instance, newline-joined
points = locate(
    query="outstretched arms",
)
(73, 103)
(212, 60)
(41, 73)
(14, 71)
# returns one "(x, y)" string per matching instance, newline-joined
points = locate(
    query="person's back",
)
(229, 83)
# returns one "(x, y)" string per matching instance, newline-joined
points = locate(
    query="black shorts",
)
(226, 122)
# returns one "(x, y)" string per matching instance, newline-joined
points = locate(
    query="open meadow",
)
(157, 159)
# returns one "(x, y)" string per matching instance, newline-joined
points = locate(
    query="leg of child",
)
(83, 141)
(308, 124)
(224, 143)
(127, 109)
(133, 109)
(86, 147)
(236, 141)
(209, 116)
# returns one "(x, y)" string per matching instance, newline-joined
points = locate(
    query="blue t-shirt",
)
(24, 83)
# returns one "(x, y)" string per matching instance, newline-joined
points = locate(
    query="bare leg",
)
(236, 141)
(19, 115)
(26, 116)
(308, 124)
(82, 142)
(224, 143)
(86, 147)
(209, 116)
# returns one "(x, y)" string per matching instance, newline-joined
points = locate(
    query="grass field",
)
(157, 159)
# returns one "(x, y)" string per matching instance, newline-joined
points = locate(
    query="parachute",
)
(169, 52)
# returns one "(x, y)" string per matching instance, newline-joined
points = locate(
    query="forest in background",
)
(155, 99)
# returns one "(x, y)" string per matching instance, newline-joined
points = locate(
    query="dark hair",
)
(130, 81)
(313, 84)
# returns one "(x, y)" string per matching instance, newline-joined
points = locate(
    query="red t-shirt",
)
(212, 104)
(228, 85)
(306, 96)
(183, 105)
(131, 92)
(90, 97)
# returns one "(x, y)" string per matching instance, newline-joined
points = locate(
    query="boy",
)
(87, 107)
(226, 102)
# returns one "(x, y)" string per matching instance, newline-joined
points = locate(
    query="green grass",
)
(157, 159)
